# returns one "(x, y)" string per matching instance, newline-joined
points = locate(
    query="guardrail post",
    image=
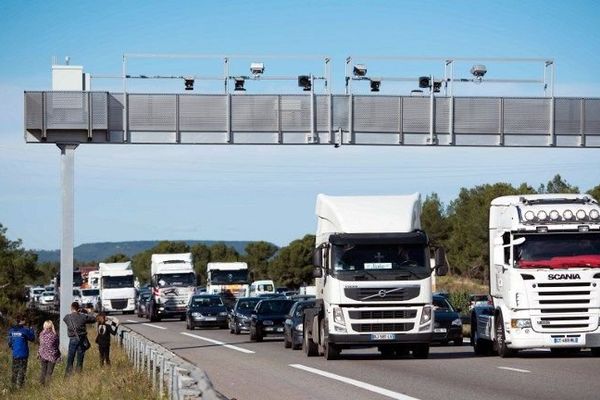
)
(161, 381)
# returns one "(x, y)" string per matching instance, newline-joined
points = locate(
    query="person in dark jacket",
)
(104, 329)
(48, 352)
(18, 336)
(77, 332)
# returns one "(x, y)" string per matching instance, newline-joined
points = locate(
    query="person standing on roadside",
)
(18, 336)
(48, 351)
(104, 329)
(78, 340)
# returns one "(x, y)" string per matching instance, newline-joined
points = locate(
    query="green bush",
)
(460, 299)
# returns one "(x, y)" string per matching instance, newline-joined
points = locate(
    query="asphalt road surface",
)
(246, 370)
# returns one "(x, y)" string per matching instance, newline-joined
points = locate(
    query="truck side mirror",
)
(318, 257)
(441, 266)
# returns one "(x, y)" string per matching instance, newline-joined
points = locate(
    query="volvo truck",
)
(544, 276)
(372, 277)
(117, 292)
(173, 283)
(227, 278)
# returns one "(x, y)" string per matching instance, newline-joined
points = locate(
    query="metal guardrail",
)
(169, 373)
(97, 117)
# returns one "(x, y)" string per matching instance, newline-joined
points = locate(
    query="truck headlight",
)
(520, 323)
(426, 315)
(338, 316)
(457, 322)
(299, 328)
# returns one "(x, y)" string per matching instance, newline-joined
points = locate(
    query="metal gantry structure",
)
(72, 116)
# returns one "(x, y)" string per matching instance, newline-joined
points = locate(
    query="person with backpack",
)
(104, 329)
(18, 336)
(78, 341)
(48, 352)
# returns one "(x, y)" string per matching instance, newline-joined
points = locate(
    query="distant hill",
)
(100, 251)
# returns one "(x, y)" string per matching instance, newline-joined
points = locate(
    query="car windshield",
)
(76, 292)
(218, 277)
(115, 282)
(380, 261)
(38, 291)
(90, 292)
(275, 307)
(176, 280)
(247, 304)
(442, 304)
(301, 306)
(575, 250)
(206, 301)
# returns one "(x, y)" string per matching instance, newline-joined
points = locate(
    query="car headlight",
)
(520, 323)
(338, 316)
(299, 328)
(196, 314)
(223, 313)
(267, 322)
(426, 315)
(457, 322)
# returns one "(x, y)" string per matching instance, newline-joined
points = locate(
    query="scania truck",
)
(228, 278)
(544, 276)
(173, 283)
(372, 277)
(117, 293)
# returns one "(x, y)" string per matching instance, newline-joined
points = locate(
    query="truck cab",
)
(173, 283)
(372, 277)
(544, 276)
(117, 291)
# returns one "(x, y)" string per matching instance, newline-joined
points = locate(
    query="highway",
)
(246, 370)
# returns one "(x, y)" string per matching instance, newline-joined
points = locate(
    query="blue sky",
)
(254, 193)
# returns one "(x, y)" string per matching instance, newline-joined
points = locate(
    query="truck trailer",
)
(372, 277)
(544, 276)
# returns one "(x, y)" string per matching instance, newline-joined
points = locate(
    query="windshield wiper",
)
(364, 275)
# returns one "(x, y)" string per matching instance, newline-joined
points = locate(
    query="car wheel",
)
(501, 346)
(481, 347)
(286, 343)
(253, 334)
(259, 335)
(458, 342)
(421, 350)
(296, 346)
(182, 318)
(310, 347)
(230, 329)
(236, 329)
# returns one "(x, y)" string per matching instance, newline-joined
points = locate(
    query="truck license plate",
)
(383, 336)
(566, 340)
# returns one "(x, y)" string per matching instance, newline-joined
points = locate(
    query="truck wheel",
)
(310, 347)
(421, 350)
(331, 351)
(501, 347)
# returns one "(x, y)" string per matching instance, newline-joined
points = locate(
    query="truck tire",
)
(501, 346)
(330, 350)
(421, 350)
(310, 347)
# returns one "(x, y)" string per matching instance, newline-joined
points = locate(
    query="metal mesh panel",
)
(592, 116)
(442, 114)
(203, 113)
(251, 113)
(377, 113)
(151, 112)
(99, 108)
(295, 113)
(115, 112)
(340, 112)
(529, 116)
(567, 116)
(66, 110)
(476, 115)
(33, 110)
(322, 106)
(415, 114)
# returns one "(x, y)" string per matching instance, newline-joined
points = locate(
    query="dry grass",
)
(454, 284)
(119, 381)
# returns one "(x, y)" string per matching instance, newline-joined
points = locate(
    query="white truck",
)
(93, 280)
(262, 287)
(117, 292)
(544, 276)
(173, 283)
(373, 277)
(227, 278)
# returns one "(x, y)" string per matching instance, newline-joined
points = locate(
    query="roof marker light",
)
(581, 215)
(542, 215)
(568, 214)
(554, 215)
(529, 216)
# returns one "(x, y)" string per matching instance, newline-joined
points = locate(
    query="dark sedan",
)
(141, 304)
(206, 310)
(292, 329)
(447, 323)
(239, 316)
(268, 318)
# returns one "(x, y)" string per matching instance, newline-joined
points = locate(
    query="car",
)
(89, 297)
(141, 303)
(474, 299)
(239, 316)
(292, 328)
(271, 296)
(35, 294)
(268, 317)
(447, 326)
(206, 310)
(47, 299)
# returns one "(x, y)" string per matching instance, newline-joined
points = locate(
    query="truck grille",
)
(118, 304)
(401, 327)
(382, 314)
(382, 294)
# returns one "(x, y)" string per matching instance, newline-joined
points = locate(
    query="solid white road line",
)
(515, 369)
(150, 325)
(354, 382)
(229, 346)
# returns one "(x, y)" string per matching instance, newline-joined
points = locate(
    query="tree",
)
(115, 258)
(220, 252)
(201, 255)
(257, 256)
(434, 221)
(558, 185)
(292, 266)
(595, 192)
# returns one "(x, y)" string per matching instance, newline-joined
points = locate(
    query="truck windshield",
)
(176, 280)
(564, 250)
(115, 282)
(90, 292)
(218, 277)
(380, 261)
